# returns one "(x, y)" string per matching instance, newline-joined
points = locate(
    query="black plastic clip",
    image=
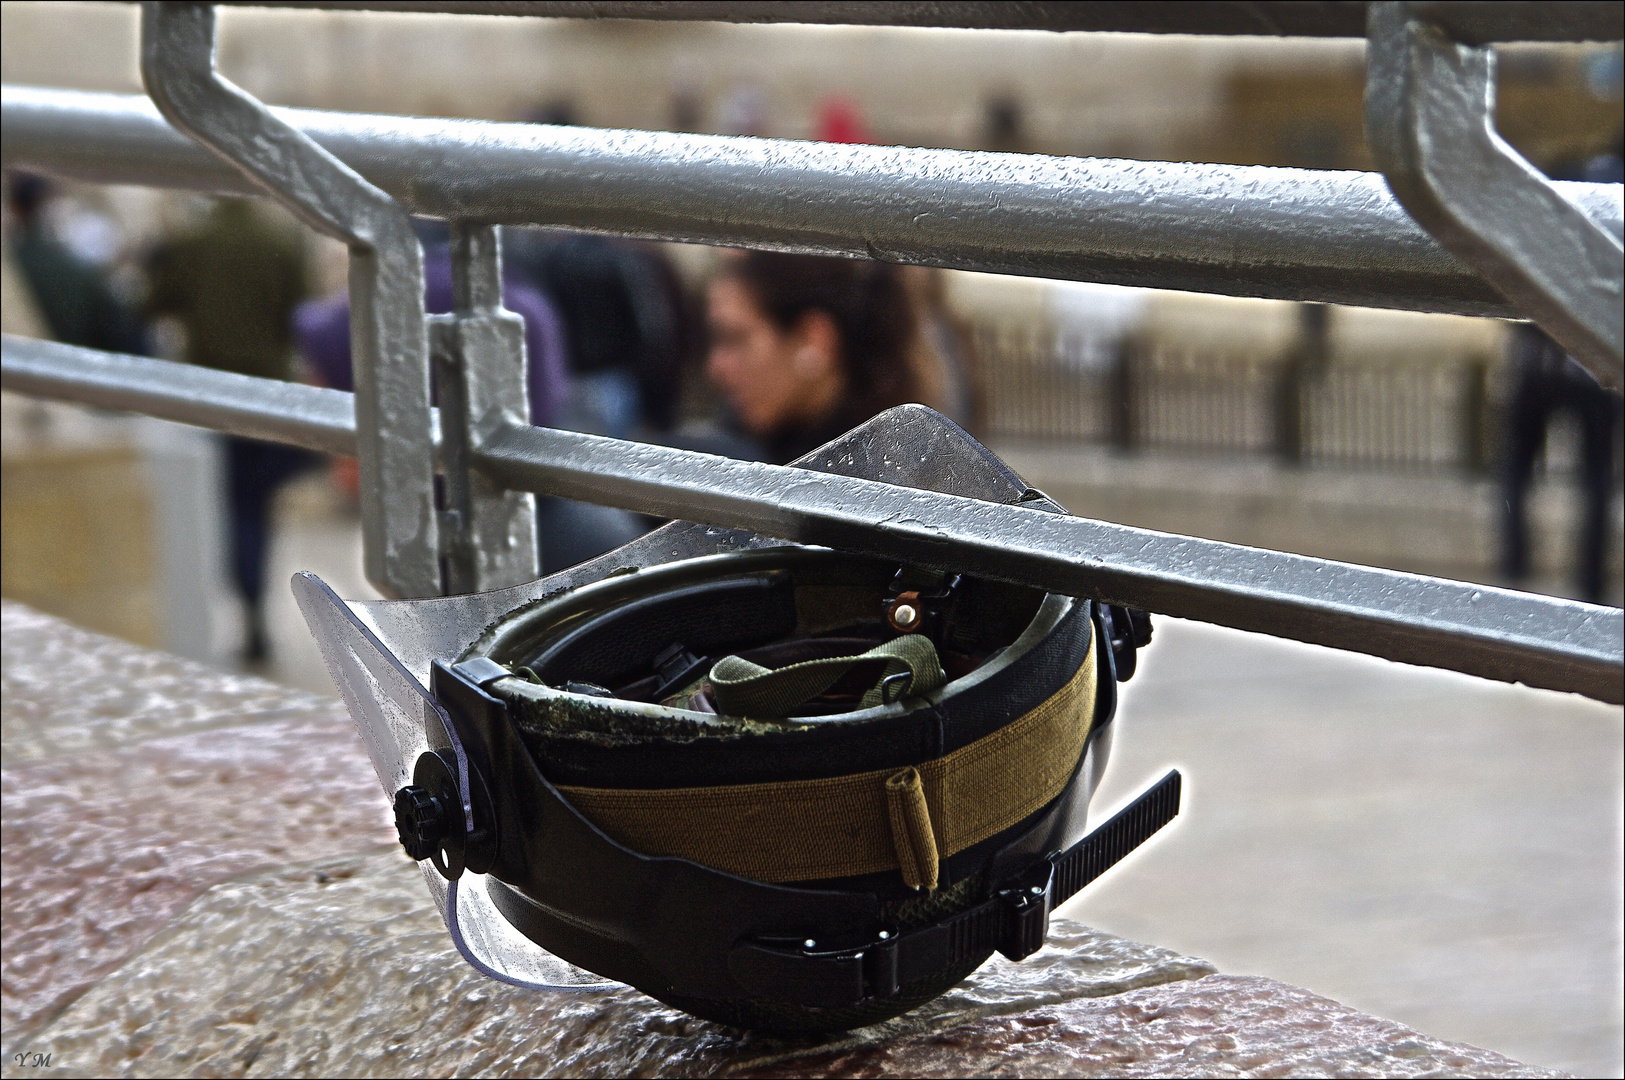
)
(880, 966)
(1027, 908)
(677, 668)
(1129, 630)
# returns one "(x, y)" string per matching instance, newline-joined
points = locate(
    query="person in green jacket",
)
(233, 283)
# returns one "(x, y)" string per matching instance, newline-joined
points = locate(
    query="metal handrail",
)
(1556, 20)
(1290, 234)
(389, 339)
(1430, 123)
(313, 417)
(1494, 633)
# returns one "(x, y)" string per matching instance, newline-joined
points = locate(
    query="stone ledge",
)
(1220, 1025)
(67, 691)
(132, 782)
(343, 967)
(198, 880)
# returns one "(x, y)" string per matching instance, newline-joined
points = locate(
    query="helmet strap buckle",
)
(1028, 910)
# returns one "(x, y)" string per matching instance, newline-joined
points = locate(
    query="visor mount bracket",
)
(904, 614)
(914, 606)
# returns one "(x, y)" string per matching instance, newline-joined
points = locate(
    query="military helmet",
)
(783, 787)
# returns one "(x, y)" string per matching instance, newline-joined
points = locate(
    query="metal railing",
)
(1070, 388)
(1339, 237)
(1288, 234)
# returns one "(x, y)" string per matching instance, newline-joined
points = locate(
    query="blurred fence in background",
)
(1051, 386)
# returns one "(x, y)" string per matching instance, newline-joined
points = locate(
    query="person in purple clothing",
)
(322, 328)
(568, 531)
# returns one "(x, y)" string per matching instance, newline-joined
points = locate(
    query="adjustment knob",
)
(420, 821)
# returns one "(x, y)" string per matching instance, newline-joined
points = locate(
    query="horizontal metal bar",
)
(1336, 18)
(1494, 633)
(1293, 234)
(1484, 22)
(1548, 21)
(308, 416)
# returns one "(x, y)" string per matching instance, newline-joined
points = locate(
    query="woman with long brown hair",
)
(804, 348)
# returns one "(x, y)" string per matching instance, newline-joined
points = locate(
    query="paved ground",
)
(1439, 522)
(1430, 848)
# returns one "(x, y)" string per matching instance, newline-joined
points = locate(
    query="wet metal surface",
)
(1337, 237)
(1481, 630)
(1557, 20)
(488, 534)
(310, 416)
(1430, 118)
(388, 334)
(1340, 18)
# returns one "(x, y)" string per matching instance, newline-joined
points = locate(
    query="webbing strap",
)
(1015, 921)
(747, 689)
(842, 826)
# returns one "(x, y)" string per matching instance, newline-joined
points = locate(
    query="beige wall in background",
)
(76, 519)
(1234, 99)
(1121, 94)
(75, 514)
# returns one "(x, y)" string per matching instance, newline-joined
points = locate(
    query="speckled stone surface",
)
(107, 830)
(343, 968)
(64, 690)
(1221, 1025)
(183, 896)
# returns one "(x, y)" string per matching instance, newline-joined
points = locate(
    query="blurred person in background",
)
(71, 293)
(939, 355)
(1546, 383)
(839, 120)
(232, 283)
(804, 348)
(626, 330)
(568, 531)
(1003, 128)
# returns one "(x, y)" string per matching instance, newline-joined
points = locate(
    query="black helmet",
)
(782, 787)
